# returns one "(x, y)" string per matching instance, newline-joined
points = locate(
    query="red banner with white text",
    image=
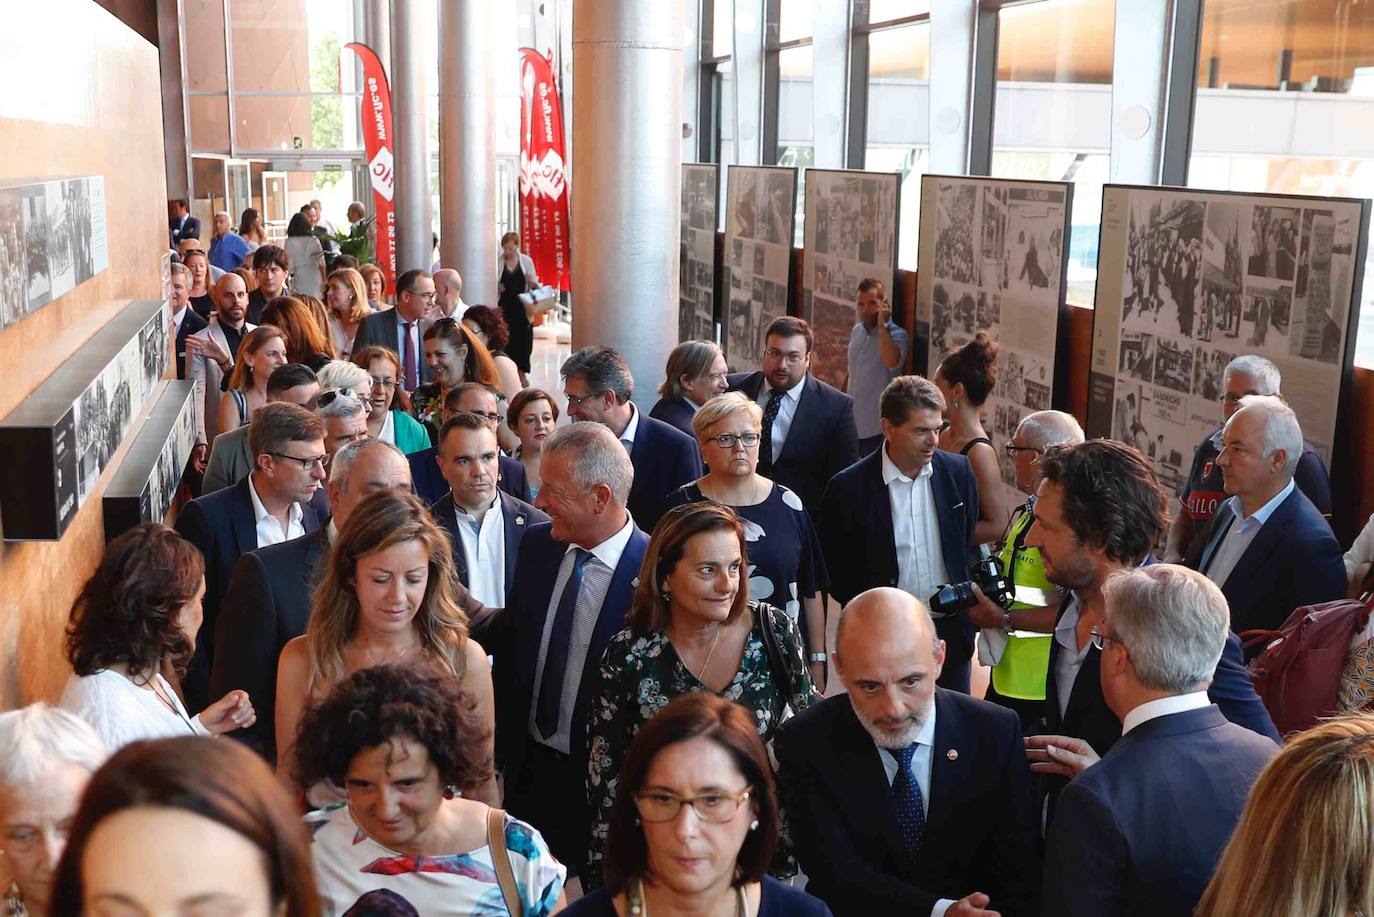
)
(545, 228)
(381, 161)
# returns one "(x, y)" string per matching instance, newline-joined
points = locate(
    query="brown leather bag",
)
(500, 859)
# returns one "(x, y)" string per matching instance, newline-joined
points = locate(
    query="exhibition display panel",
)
(145, 484)
(52, 240)
(697, 285)
(760, 224)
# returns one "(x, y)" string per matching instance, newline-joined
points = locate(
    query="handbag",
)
(538, 299)
(777, 666)
(500, 861)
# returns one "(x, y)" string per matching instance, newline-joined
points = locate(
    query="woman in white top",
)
(307, 257)
(136, 617)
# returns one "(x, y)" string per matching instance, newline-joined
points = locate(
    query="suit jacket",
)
(1294, 560)
(1141, 831)
(518, 632)
(431, 487)
(223, 527)
(980, 827)
(677, 412)
(230, 461)
(383, 328)
(664, 459)
(208, 377)
(190, 229)
(821, 442)
(855, 525)
(191, 323)
(517, 516)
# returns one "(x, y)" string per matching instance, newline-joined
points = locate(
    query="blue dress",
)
(785, 560)
(775, 900)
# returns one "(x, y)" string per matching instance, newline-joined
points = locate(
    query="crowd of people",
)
(423, 646)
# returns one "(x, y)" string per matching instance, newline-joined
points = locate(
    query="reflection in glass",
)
(899, 121)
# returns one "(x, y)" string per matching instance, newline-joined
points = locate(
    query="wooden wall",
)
(105, 86)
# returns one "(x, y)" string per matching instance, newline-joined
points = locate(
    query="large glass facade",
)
(898, 123)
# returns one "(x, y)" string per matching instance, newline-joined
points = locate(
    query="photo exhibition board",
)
(52, 240)
(992, 257)
(1188, 280)
(760, 223)
(851, 234)
(144, 485)
(697, 299)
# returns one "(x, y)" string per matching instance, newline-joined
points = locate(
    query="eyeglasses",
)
(574, 401)
(490, 416)
(1231, 399)
(379, 382)
(305, 463)
(728, 440)
(1100, 640)
(792, 358)
(929, 431)
(1012, 449)
(719, 807)
(427, 297)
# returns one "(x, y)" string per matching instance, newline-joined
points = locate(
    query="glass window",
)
(885, 10)
(899, 120)
(725, 128)
(1054, 110)
(722, 36)
(794, 20)
(1285, 88)
(203, 23)
(795, 119)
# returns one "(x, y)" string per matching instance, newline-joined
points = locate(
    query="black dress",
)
(521, 343)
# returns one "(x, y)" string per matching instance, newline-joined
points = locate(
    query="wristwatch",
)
(815, 657)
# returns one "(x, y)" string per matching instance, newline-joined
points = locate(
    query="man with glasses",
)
(402, 329)
(1203, 490)
(877, 349)
(471, 398)
(904, 515)
(231, 458)
(808, 427)
(281, 499)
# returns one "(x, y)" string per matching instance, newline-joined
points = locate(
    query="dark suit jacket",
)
(190, 324)
(189, 229)
(1294, 560)
(664, 459)
(382, 328)
(980, 828)
(821, 442)
(431, 487)
(222, 526)
(855, 526)
(518, 516)
(677, 412)
(1141, 831)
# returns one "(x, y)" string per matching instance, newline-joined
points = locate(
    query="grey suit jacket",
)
(207, 376)
(230, 461)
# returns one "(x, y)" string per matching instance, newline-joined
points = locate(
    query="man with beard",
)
(905, 798)
(210, 355)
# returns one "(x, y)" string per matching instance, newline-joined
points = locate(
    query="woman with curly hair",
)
(410, 749)
(489, 325)
(387, 596)
(455, 355)
(135, 618)
(306, 327)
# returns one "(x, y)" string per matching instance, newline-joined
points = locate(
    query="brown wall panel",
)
(122, 140)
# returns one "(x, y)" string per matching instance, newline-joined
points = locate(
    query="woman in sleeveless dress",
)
(966, 379)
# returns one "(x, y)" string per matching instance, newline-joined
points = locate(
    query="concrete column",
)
(830, 81)
(626, 191)
(749, 67)
(414, 227)
(953, 27)
(377, 30)
(467, 146)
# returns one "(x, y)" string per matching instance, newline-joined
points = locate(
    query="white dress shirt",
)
(627, 439)
(1164, 706)
(178, 317)
(915, 530)
(1070, 658)
(268, 528)
(484, 546)
(787, 410)
(920, 769)
(1239, 534)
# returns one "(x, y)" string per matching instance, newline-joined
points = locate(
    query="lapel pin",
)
(519, 520)
(952, 754)
(634, 583)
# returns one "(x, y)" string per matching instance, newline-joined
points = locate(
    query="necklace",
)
(710, 652)
(634, 898)
(371, 660)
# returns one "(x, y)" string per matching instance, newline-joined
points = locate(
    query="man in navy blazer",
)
(1268, 547)
(574, 582)
(414, 296)
(812, 436)
(184, 318)
(925, 544)
(430, 485)
(1140, 831)
(280, 500)
(180, 224)
(853, 809)
(598, 385)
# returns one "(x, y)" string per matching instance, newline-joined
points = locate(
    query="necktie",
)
(906, 796)
(556, 658)
(409, 358)
(770, 414)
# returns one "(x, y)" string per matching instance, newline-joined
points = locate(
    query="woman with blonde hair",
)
(307, 330)
(387, 597)
(1305, 842)
(263, 350)
(346, 296)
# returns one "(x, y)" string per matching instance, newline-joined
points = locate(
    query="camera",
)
(955, 597)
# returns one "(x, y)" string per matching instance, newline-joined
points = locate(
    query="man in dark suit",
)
(402, 329)
(473, 398)
(271, 268)
(185, 321)
(1140, 832)
(904, 515)
(275, 503)
(1268, 548)
(484, 524)
(904, 798)
(573, 585)
(598, 386)
(808, 427)
(1099, 509)
(180, 224)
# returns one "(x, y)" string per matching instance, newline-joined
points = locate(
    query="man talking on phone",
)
(877, 353)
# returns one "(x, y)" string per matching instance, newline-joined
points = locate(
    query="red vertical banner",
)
(545, 227)
(381, 160)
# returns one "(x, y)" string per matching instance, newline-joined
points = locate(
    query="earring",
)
(956, 404)
(667, 598)
(450, 791)
(753, 824)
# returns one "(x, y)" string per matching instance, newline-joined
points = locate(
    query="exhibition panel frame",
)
(697, 314)
(52, 240)
(146, 482)
(760, 224)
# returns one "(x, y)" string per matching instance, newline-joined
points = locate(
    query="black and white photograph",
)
(1273, 242)
(1219, 305)
(1264, 322)
(79, 217)
(1208, 366)
(1174, 365)
(13, 286)
(696, 302)
(758, 197)
(954, 250)
(1034, 239)
(745, 203)
(60, 226)
(1321, 335)
(37, 232)
(1163, 264)
(1138, 356)
(171, 465)
(777, 209)
(994, 239)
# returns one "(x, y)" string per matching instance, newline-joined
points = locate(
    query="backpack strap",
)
(500, 860)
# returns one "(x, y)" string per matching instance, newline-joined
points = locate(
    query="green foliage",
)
(326, 113)
(357, 241)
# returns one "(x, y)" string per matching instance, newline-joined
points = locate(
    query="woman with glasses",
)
(695, 821)
(388, 416)
(533, 415)
(693, 627)
(456, 356)
(966, 379)
(263, 349)
(695, 374)
(786, 566)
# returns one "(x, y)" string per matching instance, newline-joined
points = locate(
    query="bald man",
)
(903, 797)
(448, 295)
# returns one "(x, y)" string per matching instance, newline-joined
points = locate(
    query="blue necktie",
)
(556, 658)
(906, 795)
(770, 414)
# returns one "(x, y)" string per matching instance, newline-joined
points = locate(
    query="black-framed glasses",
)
(305, 463)
(716, 807)
(792, 358)
(574, 401)
(1100, 640)
(1011, 449)
(728, 440)
(489, 416)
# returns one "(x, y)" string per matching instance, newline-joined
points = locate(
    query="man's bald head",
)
(448, 289)
(886, 612)
(1049, 428)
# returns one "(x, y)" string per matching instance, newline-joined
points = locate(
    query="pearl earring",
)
(956, 404)
(753, 824)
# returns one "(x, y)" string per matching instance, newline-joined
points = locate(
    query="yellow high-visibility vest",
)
(1025, 663)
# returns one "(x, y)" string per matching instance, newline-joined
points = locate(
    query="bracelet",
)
(1006, 621)
(815, 657)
